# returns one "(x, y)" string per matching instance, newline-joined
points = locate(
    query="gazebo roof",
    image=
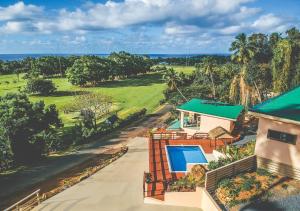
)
(212, 108)
(219, 132)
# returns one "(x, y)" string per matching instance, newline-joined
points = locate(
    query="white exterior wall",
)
(275, 150)
(208, 123)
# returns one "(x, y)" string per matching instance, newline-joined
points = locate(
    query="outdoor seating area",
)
(198, 115)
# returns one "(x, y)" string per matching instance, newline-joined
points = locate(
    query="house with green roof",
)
(201, 116)
(278, 134)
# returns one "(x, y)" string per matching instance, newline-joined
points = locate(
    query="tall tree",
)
(207, 66)
(243, 52)
(22, 122)
(172, 78)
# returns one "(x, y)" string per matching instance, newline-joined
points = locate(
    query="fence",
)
(27, 203)
(168, 136)
(213, 177)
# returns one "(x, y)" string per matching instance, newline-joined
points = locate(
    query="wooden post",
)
(181, 119)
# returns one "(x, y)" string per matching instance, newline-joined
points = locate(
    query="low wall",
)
(199, 199)
(213, 177)
(278, 168)
(186, 199)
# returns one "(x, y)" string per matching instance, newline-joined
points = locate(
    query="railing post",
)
(38, 197)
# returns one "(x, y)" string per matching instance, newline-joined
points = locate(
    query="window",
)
(281, 136)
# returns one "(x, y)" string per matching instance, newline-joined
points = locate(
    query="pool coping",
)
(182, 145)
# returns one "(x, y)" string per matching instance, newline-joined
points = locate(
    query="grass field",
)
(129, 95)
(184, 69)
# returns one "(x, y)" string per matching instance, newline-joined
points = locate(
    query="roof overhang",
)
(275, 118)
(220, 117)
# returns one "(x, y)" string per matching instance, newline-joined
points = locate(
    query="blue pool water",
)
(179, 156)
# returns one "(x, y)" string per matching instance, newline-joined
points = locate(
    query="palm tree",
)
(208, 64)
(243, 52)
(172, 78)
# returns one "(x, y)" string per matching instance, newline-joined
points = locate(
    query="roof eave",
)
(220, 117)
(267, 116)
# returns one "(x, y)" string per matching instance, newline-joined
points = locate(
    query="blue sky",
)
(138, 26)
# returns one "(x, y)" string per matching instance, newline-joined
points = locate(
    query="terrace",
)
(158, 159)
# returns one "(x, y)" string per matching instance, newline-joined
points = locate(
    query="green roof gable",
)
(286, 105)
(212, 108)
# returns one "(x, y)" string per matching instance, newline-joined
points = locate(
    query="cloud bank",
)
(167, 21)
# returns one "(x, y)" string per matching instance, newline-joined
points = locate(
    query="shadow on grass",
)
(140, 80)
(68, 93)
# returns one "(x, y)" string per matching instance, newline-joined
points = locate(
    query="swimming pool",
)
(179, 156)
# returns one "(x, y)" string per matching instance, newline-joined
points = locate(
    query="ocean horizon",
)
(12, 57)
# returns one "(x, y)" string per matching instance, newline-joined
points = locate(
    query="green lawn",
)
(184, 69)
(129, 95)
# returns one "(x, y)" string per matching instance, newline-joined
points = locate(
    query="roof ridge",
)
(272, 98)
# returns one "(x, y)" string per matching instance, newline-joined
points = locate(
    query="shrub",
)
(148, 178)
(285, 186)
(24, 135)
(6, 155)
(225, 183)
(194, 178)
(133, 117)
(40, 86)
(219, 163)
(263, 172)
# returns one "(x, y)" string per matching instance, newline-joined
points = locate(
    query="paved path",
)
(117, 187)
(28, 179)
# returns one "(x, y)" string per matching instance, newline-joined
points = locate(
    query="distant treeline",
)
(190, 61)
(119, 64)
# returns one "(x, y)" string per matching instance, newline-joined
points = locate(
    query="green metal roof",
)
(212, 108)
(286, 105)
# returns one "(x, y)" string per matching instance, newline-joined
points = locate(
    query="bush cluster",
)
(40, 86)
(26, 128)
(233, 153)
(93, 69)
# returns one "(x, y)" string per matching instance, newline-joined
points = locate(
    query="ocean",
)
(12, 57)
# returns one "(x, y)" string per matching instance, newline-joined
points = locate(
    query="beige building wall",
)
(275, 150)
(208, 123)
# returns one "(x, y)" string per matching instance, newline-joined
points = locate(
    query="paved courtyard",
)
(117, 187)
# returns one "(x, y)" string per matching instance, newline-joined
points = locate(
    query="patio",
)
(158, 163)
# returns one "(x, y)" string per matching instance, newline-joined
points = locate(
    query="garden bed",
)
(188, 183)
(248, 189)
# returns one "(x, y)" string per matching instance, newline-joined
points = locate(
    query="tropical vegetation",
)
(261, 66)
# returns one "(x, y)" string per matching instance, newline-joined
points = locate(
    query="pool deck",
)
(158, 163)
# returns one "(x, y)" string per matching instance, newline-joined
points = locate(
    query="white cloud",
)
(11, 27)
(19, 11)
(231, 30)
(134, 24)
(130, 12)
(74, 40)
(271, 23)
(174, 29)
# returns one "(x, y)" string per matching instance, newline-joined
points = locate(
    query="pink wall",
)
(208, 123)
(274, 150)
(199, 199)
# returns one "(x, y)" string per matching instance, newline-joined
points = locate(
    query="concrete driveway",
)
(117, 187)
